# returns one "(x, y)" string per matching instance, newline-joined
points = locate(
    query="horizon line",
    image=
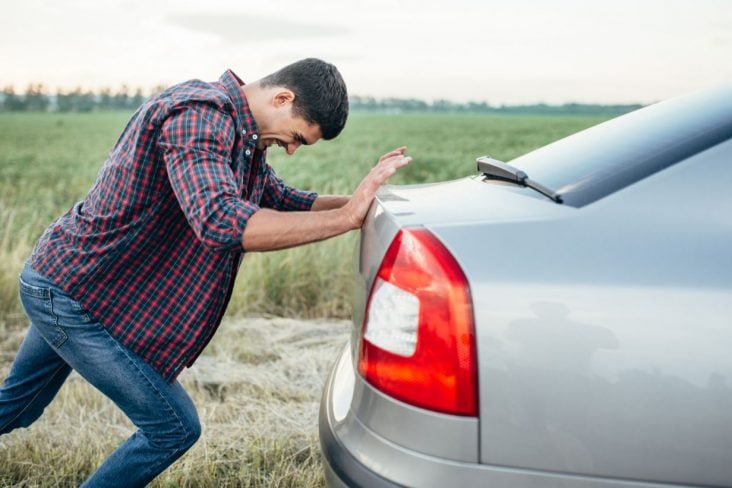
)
(133, 91)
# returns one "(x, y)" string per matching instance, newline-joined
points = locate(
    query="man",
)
(130, 284)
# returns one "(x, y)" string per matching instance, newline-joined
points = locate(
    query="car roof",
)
(593, 163)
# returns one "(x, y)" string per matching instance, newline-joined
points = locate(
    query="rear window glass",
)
(598, 161)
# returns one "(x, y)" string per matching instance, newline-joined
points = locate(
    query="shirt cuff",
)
(293, 200)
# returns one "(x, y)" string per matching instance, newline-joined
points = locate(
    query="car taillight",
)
(418, 341)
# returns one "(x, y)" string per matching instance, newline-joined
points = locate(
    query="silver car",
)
(564, 320)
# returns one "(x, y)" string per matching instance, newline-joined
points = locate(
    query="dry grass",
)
(257, 389)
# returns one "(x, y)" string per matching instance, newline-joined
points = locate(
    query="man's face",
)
(287, 130)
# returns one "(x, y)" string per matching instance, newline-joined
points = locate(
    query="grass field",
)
(48, 162)
(256, 391)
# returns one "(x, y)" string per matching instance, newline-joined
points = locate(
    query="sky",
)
(502, 52)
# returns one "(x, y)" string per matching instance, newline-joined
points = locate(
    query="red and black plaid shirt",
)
(153, 249)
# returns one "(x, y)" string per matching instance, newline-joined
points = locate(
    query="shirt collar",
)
(232, 85)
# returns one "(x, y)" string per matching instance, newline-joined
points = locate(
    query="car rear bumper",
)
(354, 456)
(341, 466)
(342, 469)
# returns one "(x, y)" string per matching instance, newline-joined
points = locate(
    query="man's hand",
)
(360, 201)
(269, 229)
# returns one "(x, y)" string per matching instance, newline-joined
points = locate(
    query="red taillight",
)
(417, 342)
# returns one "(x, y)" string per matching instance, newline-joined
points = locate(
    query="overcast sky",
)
(508, 51)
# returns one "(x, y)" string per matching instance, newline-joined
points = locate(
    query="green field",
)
(257, 385)
(48, 161)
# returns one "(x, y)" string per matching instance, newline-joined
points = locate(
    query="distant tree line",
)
(37, 99)
(408, 105)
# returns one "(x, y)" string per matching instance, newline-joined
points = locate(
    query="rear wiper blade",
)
(498, 170)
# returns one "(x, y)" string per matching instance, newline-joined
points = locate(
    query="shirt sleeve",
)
(279, 196)
(196, 144)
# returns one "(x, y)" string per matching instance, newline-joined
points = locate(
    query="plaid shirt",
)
(153, 249)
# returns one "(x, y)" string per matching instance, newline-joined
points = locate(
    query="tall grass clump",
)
(47, 162)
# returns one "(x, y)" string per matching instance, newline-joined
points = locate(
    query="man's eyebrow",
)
(301, 139)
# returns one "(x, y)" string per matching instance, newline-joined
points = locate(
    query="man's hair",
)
(320, 93)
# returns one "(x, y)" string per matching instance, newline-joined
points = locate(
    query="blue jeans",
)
(63, 336)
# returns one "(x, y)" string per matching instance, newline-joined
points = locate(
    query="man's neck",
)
(254, 95)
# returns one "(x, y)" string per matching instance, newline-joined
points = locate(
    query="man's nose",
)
(292, 147)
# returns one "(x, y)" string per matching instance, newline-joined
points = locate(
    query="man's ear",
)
(282, 97)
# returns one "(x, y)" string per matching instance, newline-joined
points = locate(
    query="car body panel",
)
(619, 363)
(446, 436)
(602, 336)
(583, 328)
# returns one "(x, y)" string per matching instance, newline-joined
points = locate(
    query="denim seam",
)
(181, 425)
(62, 340)
(33, 399)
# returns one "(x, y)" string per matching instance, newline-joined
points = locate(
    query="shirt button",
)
(243, 132)
(255, 136)
(247, 152)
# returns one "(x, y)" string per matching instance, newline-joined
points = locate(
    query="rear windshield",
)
(598, 161)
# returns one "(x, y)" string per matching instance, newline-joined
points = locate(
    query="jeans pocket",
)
(38, 306)
(68, 311)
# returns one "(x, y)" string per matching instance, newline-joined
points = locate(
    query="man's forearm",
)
(269, 230)
(329, 202)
